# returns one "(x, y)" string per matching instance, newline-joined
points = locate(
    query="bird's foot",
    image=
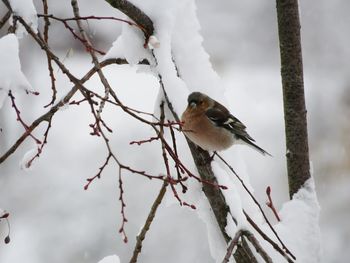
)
(211, 157)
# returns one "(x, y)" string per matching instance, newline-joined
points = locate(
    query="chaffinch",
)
(211, 126)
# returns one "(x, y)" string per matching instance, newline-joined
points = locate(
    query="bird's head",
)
(198, 102)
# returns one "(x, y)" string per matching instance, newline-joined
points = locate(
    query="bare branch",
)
(5, 216)
(7, 4)
(135, 14)
(5, 18)
(50, 16)
(50, 113)
(157, 201)
(19, 118)
(49, 60)
(98, 175)
(257, 246)
(264, 236)
(257, 203)
(86, 40)
(269, 203)
(41, 146)
(179, 170)
(148, 222)
(122, 209)
(232, 245)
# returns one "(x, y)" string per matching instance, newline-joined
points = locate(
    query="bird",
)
(211, 126)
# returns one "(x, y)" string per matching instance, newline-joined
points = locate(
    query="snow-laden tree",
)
(162, 38)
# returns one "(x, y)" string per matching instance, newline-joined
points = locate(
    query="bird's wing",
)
(221, 117)
(226, 120)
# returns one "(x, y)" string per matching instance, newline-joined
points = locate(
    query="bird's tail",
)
(255, 147)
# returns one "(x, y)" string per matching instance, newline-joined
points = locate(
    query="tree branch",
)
(257, 246)
(232, 245)
(257, 204)
(49, 60)
(156, 203)
(214, 195)
(5, 18)
(135, 14)
(148, 222)
(266, 237)
(298, 164)
(49, 114)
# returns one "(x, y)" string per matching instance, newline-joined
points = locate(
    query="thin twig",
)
(148, 222)
(156, 203)
(42, 145)
(49, 60)
(5, 18)
(164, 154)
(264, 236)
(270, 203)
(98, 175)
(122, 209)
(7, 4)
(87, 42)
(49, 114)
(19, 118)
(178, 168)
(5, 216)
(257, 246)
(257, 203)
(46, 16)
(232, 245)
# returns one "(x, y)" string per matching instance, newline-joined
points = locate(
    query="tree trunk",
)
(293, 94)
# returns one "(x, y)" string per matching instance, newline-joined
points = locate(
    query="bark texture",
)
(293, 94)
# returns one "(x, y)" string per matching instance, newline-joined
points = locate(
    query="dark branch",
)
(5, 18)
(232, 245)
(135, 14)
(298, 164)
(257, 246)
(270, 204)
(257, 204)
(49, 114)
(264, 236)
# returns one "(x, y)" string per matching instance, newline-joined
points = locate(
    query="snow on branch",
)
(110, 259)
(181, 67)
(11, 75)
(27, 11)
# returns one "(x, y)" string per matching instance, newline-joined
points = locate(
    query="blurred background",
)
(53, 219)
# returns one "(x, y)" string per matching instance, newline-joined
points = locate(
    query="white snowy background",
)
(54, 220)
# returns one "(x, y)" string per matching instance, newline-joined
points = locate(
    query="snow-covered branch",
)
(170, 46)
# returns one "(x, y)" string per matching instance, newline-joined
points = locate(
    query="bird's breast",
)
(201, 131)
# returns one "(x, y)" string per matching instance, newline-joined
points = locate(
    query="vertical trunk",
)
(293, 94)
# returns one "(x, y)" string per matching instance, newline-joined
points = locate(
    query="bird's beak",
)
(192, 105)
